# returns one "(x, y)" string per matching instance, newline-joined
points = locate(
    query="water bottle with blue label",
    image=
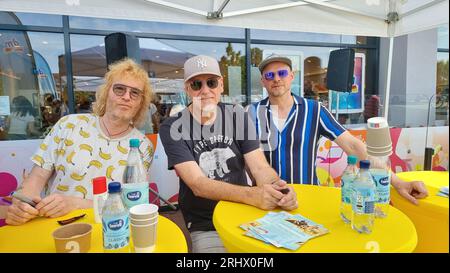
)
(363, 199)
(381, 174)
(347, 178)
(135, 183)
(115, 221)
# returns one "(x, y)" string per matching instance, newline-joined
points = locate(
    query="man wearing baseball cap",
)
(210, 156)
(296, 124)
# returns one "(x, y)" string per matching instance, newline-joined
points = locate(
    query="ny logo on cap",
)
(201, 63)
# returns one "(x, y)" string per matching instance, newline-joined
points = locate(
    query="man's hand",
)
(412, 190)
(289, 199)
(268, 197)
(19, 212)
(56, 205)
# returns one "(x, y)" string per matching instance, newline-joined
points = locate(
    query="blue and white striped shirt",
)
(292, 152)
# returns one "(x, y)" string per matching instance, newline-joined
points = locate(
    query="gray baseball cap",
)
(274, 58)
(199, 65)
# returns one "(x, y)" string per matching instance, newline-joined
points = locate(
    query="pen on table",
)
(23, 198)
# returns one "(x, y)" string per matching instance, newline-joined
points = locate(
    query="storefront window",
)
(164, 61)
(30, 19)
(31, 85)
(442, 111)
(89, 68)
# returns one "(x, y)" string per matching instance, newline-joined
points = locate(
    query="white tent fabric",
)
(351, 17)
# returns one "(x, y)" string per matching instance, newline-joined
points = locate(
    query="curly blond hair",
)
(123, 68)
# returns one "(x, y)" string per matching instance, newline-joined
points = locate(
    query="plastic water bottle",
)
(135, 183)
(100, 193)
(115, 221)
(381, 174)
(350, 173)
(363, 199)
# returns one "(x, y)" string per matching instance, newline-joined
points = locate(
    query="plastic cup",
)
(73, 238)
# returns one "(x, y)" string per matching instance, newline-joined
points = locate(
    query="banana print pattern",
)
(96, 164)
(121, 149)
(77, 177)
(77, 151)
(69, 158)
(86, 147)
(109, 172)
(68, 142)
(57, 139)
(103, 155)
(84, 133)
(82, 190)
(39, 160)
(43, 146)
(60, 152)
(63, 188)
(83, 118)
(61, 168)
(122, 162)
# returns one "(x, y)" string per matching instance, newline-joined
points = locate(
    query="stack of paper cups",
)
(378, 138)
(143, 222)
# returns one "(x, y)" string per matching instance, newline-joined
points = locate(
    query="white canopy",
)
(381, 18)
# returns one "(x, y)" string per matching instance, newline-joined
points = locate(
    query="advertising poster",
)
(353, 100)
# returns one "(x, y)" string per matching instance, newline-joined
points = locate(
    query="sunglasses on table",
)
(270, 76)
(196, 85)
(121, 89)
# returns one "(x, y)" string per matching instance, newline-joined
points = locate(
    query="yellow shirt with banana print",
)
(77, 151)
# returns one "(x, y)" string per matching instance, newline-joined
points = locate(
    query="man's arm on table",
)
(264, 197)
(409, 190)
(265, 175)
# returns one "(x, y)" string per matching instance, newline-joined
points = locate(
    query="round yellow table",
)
(431, 215)
(396, 233)
(36, 235)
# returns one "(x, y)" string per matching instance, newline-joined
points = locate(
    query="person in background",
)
(21, 122)
(81, 147)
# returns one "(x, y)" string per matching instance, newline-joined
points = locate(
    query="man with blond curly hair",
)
(83, 146)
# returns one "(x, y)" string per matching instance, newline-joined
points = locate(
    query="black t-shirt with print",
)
(218, 150)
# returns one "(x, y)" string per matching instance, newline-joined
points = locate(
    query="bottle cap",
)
(364, 164)
(99, 185)
(114, 187)
(134, 143)
(352, 159)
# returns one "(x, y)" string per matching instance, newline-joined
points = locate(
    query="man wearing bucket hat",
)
(290, 126)
(210, 156)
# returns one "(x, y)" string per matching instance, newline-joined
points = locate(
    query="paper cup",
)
(382, 153)
(377, 123)
(144, 211)
(144, 237)
(144, 221)
(73, 238)
(378, 138)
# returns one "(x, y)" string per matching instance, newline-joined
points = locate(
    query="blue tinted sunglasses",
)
(270, 76)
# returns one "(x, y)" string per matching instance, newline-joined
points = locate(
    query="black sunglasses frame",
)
(197, 85)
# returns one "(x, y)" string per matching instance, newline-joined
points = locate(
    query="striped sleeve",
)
(328, 125)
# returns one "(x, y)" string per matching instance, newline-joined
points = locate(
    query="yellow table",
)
(431, 215)
(36, 235)
(396, 233)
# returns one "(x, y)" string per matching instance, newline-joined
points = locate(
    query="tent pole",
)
(388, 79)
